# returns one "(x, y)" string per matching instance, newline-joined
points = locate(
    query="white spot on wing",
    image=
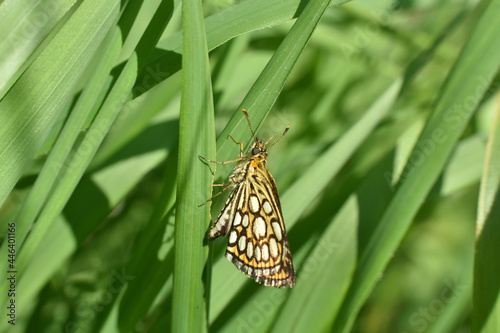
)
(237, 219)
(254, 204)
(259, 227)
(232, 236)
(257, 253)
(273, 248)
(267, 207)
(242, 243)
(265, 252)
(245, 220)
(277, 230)
(250, 250)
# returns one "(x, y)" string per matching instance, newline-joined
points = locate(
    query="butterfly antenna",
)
(249, 124)
(272, 136)
(282, 135)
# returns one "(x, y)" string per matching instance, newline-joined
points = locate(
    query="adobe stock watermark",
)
(102, 124)
(151, 78)
(365, 35)
(276, 124)
(35, 24)
(87, 311)
(453, 116)
(37, 20)
(263, 308)
(420, 320)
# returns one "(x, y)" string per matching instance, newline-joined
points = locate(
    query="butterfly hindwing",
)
(224, 220)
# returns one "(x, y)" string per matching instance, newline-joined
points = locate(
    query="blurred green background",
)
(387, 175)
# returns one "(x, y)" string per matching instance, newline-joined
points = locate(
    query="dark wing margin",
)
(224, 220)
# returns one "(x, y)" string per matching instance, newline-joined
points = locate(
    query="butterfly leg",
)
(239, 143)
(223, 190)
(221, 163)
(210, 207)
(227, 186)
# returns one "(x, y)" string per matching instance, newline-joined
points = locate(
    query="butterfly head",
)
(258, 150)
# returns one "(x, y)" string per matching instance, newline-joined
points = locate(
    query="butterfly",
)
(252, 218)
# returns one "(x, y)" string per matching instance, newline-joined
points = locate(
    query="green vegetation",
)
(389, 177)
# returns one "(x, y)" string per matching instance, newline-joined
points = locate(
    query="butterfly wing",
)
(258, 245)
(226, 216)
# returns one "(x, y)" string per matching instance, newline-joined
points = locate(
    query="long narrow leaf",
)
(196, 137)
(486, 299)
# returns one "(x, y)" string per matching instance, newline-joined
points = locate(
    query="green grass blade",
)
(29, 109)
(196, 137)
(486, 299)
(30, 20)
(491, 175)
(461, 94)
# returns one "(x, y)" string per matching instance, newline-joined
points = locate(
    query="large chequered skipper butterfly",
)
(252, 218)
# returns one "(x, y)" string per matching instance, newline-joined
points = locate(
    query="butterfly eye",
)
(255, 151)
